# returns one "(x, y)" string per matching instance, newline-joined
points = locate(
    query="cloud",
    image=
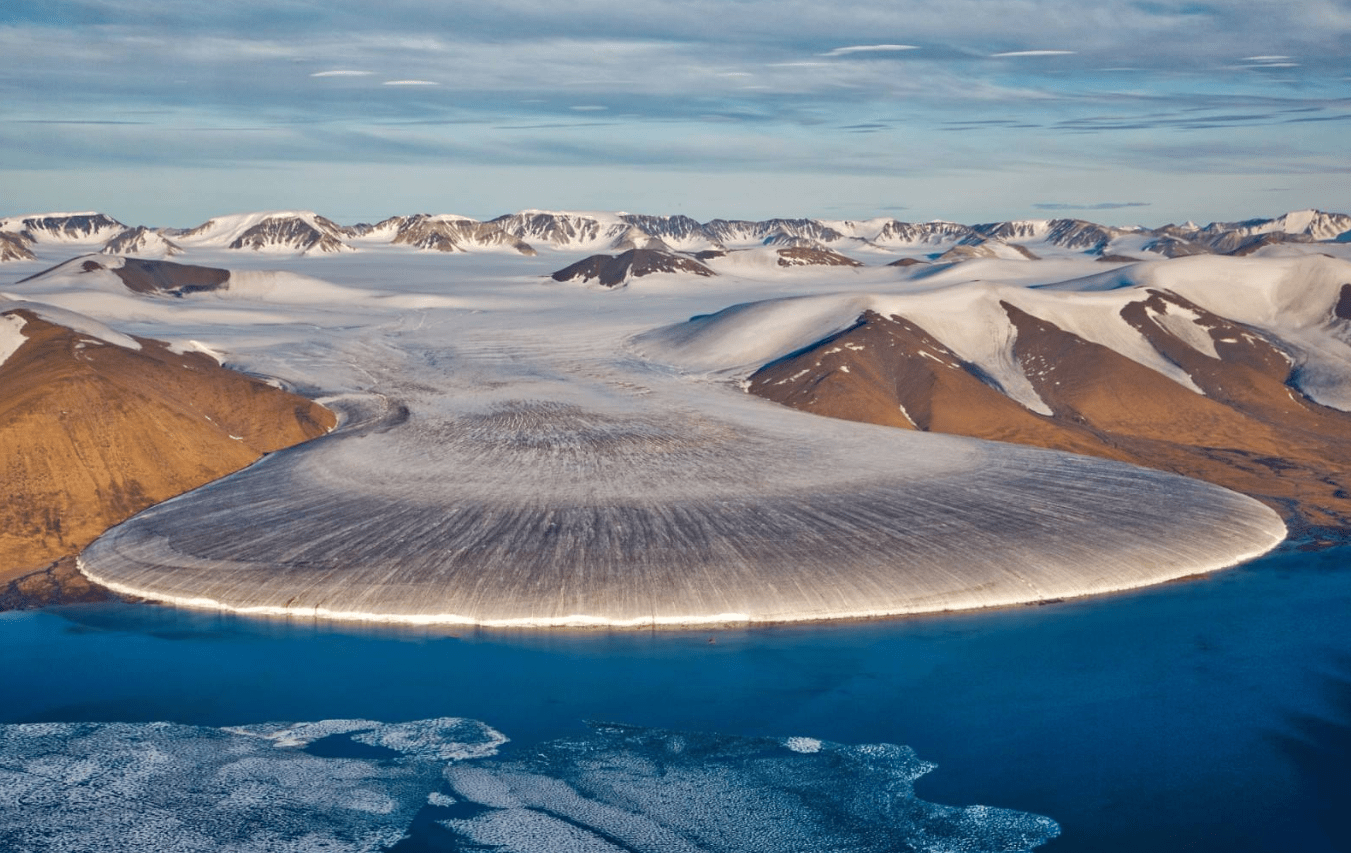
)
(869, 48)
(796, 82)
(1012, 53)
(1102, 205)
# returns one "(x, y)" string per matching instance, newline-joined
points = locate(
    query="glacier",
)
(513, 451)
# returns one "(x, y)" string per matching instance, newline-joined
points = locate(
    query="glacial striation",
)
(568, 509)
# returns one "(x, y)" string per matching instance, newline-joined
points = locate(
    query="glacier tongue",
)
(553, 489)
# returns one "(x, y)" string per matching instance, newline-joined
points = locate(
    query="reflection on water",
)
(1204, 715)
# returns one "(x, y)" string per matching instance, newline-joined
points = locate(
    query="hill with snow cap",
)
(143, 243)
(63, 228)
(449, 233)
(299, 232)
(1211, 367)
(15, 247)
(136, 422)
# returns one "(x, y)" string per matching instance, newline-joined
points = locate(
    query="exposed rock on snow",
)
(14, 247)
(1143, 374)
(617, 270)
(142, 242)
(454, 234)
(64, 228)
(299, 232)
(803, 257)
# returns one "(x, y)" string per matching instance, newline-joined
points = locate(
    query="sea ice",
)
(164, 788)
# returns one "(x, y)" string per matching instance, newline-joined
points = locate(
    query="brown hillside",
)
(91, 433)
(1250, 431)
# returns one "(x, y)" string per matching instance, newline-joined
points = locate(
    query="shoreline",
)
(588, 624)
(63, 582)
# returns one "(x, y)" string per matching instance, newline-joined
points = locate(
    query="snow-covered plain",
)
(520, 452)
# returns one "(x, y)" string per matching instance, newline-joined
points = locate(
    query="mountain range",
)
(528, 232)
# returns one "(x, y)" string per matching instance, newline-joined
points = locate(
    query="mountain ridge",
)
(302, 232)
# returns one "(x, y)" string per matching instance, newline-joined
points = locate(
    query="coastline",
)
(588, 623)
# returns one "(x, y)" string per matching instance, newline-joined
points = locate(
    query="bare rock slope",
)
(92, 432)
(616, 270)
(1231, 413)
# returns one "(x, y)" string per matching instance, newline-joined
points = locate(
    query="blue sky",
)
(973, 110)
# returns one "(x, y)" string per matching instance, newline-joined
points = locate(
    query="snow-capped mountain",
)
(14, 247)
(301, 232)
(895, 233)
(637, 238)
(564, 230)
(449, 233)
(306, 232)
(740, 232)
(1314, 224)
(1080, 234)
(1298, 226)
(87, 227)
(1016, 229)
(678, 232)
(142, 242)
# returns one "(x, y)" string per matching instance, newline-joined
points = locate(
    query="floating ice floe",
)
(164, 788)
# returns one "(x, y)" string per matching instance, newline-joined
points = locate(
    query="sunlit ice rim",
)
(580, 620)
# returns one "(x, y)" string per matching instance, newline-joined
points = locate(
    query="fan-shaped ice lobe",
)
(359, 786)
(501, 494)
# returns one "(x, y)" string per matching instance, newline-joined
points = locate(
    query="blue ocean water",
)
(1213, 714)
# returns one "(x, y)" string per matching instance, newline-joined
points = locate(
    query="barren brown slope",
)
(1250, 431)
(91, 433)
(887, 370)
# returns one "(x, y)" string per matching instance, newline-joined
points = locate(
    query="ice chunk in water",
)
(164, 788)
(635, 789)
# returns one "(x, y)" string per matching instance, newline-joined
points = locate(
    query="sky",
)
(1119, 111)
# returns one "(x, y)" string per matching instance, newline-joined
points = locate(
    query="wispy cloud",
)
(1014, 53)
(1102, 205)
(869, 48)
(699, 85)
